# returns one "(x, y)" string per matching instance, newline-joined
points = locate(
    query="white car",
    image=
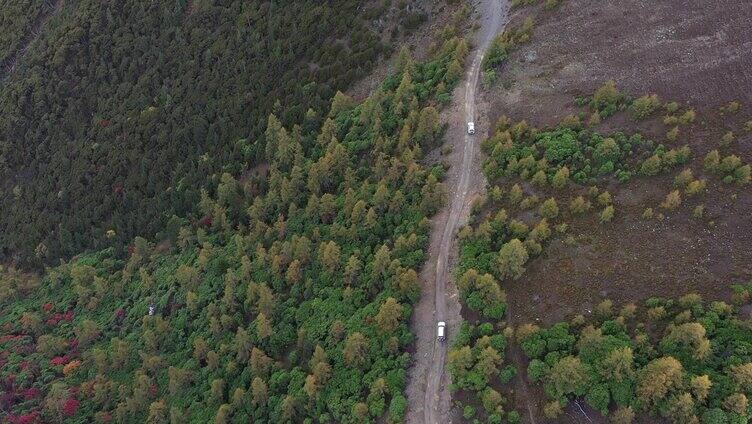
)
(471, 128)
(441, 331)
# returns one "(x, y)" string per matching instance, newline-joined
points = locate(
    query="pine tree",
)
(389, 315)
(658, 378)
(512, 259)
(355, 350)
(569, 376)
(549, 209)
(259, 392)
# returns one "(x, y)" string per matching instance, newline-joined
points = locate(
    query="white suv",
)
(471, 128)
(441, 331)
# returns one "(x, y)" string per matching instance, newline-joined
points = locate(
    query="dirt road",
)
(428, 388)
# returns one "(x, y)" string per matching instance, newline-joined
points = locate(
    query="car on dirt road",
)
(441, 331)
(471, 128)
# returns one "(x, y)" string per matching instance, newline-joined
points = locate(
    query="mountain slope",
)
(120, 111)
(289, 300)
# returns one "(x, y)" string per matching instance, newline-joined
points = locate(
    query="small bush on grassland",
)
(549, 209)
(748, 126)
(552, 410)
(695, 187)
(687, 117)
(651, 165)
(605, 309)
(672, 134)
(595, 119)
(683, 178)
(579, 205)
(550, 4)
(571, 122)
(672, 200)
(539, 179)
(743, 174)
(671, 107)
(698, 211)
(628, 311)
(644, 106)
(729, 164)
(647, 213)
(606, 99)
(727, 139)
(608, 214)
(605, 199)
(670, 120)
(561, 177)
(712, 160)
(732, 107)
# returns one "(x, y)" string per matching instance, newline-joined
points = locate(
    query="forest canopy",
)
(287, 301)
(121, 112)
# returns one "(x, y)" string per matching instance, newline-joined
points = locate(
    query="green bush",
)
(644, 106)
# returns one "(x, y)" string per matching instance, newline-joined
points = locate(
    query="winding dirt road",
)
(428, 388)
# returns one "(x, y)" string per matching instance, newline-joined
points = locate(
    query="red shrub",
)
(206, 221)
(154, 390)
(47, 306)
(69, 316)
(32, 393)
(70, 407)
(59, 360)
(31, 418)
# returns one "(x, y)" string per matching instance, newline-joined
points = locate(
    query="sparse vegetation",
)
(644, 106)
(607, 99)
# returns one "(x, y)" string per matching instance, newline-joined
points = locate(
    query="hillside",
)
(120, 113)
(289, 300)
(261, 211)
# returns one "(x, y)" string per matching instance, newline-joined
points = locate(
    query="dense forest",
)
(121, 112)
(287, 301)
(16, 19)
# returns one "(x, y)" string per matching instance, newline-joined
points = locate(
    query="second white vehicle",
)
(471, 128)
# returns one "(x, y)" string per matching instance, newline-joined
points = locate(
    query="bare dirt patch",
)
(694, 51)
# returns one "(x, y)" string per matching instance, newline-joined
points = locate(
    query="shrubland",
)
(684, 359)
